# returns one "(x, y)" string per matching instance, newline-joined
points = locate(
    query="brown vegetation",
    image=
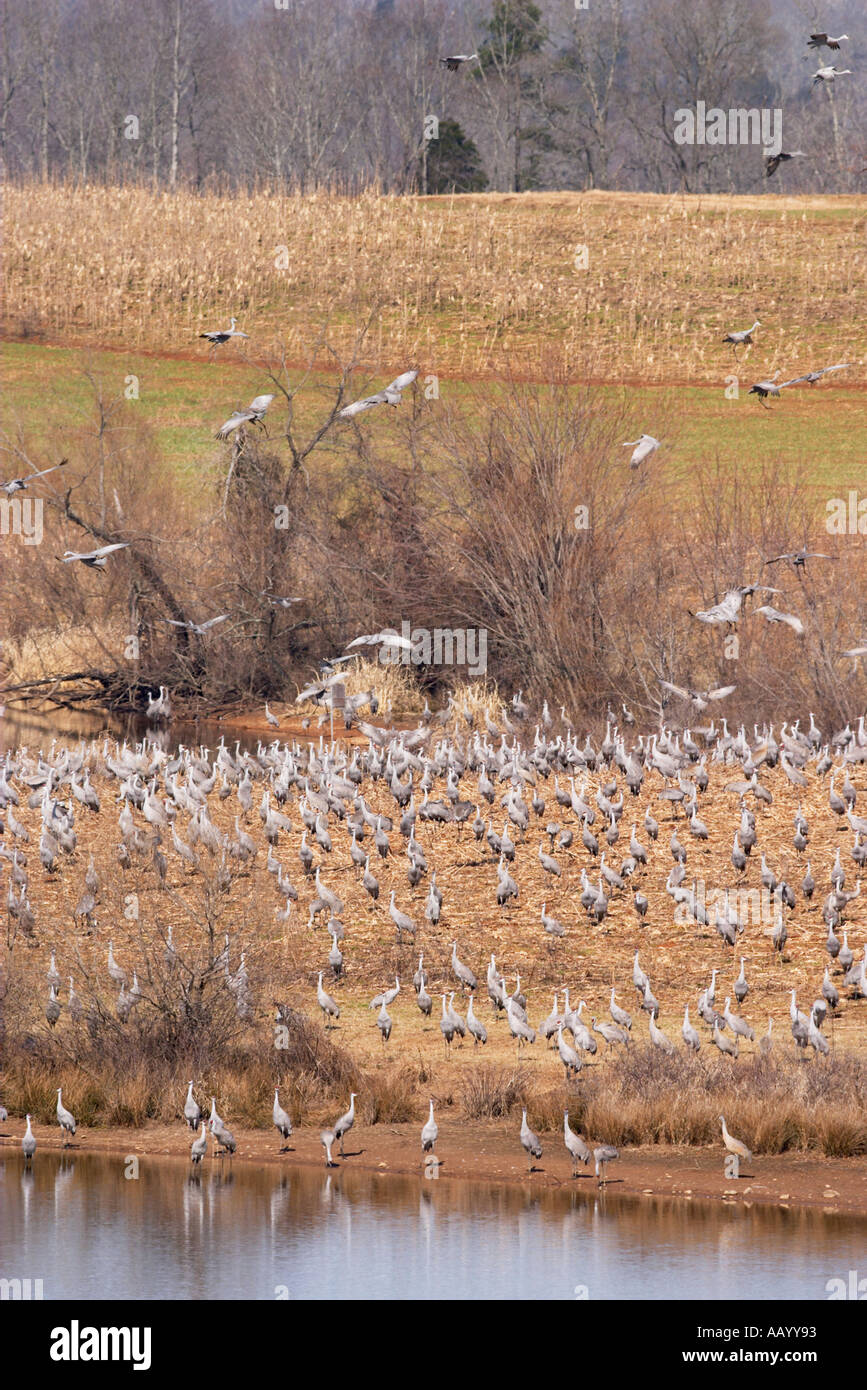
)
(460, 285)
(511, 514)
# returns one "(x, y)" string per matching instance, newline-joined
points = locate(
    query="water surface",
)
(88, 1231)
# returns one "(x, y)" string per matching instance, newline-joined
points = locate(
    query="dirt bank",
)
(492, 1153)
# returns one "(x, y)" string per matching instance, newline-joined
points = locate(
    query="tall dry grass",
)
(461, 283)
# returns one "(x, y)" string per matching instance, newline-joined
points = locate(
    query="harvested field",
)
(128, 1072)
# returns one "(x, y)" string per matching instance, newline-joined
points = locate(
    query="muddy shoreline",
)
(491, 1153)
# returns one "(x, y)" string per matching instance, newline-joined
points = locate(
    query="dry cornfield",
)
(463, 285)
(128, 1071)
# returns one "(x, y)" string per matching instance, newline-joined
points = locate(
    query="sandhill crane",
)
(222, 335)
(420, 977)
(52, 1008)
(282, 1122)
(829, 74)
(224, 1137)
(192, 1110)
(798, 558)
(475, 1025)
(429, 1133)
(28, 1143)
(738, 1025)
(766, 1042)
(518, 1026)
(93, 559)
(688, 1033)
(552, 926)
(463, 973)
(424, 1001)
(400, 919)
(733, 1145)
(19, 484)
(384, 1023)
(575, 1146)
(335, 958)
(326, 1139)
(774, 615)
(74, 1003)
(611, 1032)
(345, 1123)
(639, 979)
(731, 1049)
(326, 1003)
(602, 1156)
(549, 1026)
(52, 975)
(649, 1002)
(568, 1056)
(453, 62)
(199, 1146)
(642, 448)
(829, 990)
(388, 637)
(447, 1028)
(114, 970)
(823, 40)
(620, 1016)
(254, 414)
(773, 161)
(815, 1038)
(742, 337)
(658, 1038)
(741, 987)
(699, 698)
(530, 1142)
(386, 996)
(64, 1118)
(390, 395)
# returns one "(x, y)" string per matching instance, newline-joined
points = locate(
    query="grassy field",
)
(183, 399)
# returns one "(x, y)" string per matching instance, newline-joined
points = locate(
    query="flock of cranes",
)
(417, 796)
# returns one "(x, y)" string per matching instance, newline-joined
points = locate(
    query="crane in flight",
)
(829, 74)
(94, 559)
(390, 395)
(252, 415)
(773, 161)
(198, 628)
(699, 698)
(19, 484)
(826, 41)
(729, 607)
(454, 61)
(222, 335)
(799, 558)
(642, 448)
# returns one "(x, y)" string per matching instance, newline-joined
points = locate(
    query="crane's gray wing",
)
(401, 382)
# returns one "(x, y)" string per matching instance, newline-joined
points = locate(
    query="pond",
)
(89, 1228)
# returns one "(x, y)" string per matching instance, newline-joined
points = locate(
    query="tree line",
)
(303, 94)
